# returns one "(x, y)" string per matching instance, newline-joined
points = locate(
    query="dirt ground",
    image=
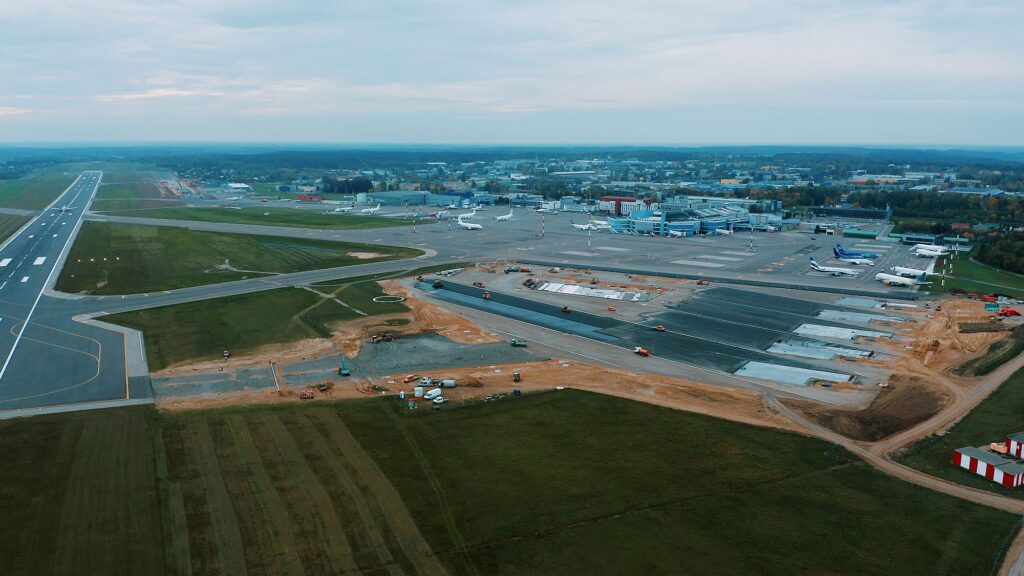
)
(482, 381)
(906, 401)
(365, 255)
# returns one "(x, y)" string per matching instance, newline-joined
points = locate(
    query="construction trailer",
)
(1015, 444)
(995, 467)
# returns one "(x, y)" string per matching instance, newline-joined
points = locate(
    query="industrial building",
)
(991, 465)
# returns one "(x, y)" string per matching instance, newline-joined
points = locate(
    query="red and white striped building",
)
(995, 467)
(1015, 444)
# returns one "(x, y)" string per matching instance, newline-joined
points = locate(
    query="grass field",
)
(577, 483)
(10, 223)
(201, 330)
(142, 185)
(554, 483)
(268, 217)
(35, 191)
(974, 277)
(127, 259)
(998, 415)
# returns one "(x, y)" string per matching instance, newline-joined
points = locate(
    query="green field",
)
(142, 187)
(971, 276)
(36, 191)
(268, 217)
(127, 259)
(553, 483)
(201, 330)
(1000, 414)
(10, 223)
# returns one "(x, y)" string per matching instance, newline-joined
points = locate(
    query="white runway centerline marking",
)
(723, 258)
(611, 249)
(39, 260)
(24, 279)
(698, 263)
(5, 262)
(736, 253)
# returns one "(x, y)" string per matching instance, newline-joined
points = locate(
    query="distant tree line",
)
(1006, 252)
(948, 206)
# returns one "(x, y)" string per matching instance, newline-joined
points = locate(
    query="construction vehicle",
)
(325, 385)
(419, 278)
(478, 284)
(659, 328)
(385, 337)
(516, 377)
(611, 308)
(640, 351)
(227, 354)
(487, 296)
(343, 369)
(410, 378)
(306, 394)
(565, 309)
(989, 298)
(516, 343)
(1006, 312)
(438, 284)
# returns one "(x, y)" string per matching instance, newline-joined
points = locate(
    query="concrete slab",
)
(698, 263)
(838, 333)
(815, 349)
(723, 258)
(857, 317)
(788, 374)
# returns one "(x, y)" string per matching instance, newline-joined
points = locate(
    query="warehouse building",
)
(995, 467)
(1015, 444)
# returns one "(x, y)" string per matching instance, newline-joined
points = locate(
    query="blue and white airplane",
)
(840, 251)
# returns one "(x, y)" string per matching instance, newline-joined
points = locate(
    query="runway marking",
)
(736, 253)
(612, 249)
(54, 235)
(698, 263)
(5, 262)
(575, 253)
(24, 279)
(39, 260)
(723, 258)
(2, 285)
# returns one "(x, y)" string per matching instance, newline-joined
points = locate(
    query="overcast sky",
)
(516, 72)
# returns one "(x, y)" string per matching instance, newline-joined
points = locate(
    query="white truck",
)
(432, 393)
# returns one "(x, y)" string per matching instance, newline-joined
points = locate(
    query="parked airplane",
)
(913, 272)
(930, 248)
(468, 225)
(600, 224)
(344, 209)
(373, 210)
(506, 217)
(922, 253)
(720, 232)
(587, 226)
(467, 214)
(893, 280)
(673, 233)
(440, 214)
(844, 252)
(234, 198)
(835, 271)
(851, 259)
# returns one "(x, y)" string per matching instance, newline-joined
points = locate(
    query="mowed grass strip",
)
(128, 259)
(570, 482)
(998, 415)
(298, 218)
(10, 223)
(78, 494)
(203, 329)
(142, 186)
(971, 276)
(35, 191)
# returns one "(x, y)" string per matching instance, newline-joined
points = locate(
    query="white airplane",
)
(673, 233)
(65, 208)
(506, 217)
(922, 253)
(601, 224)
(720, 232)
(835, 271)
(233, 198)
(913, 272)
(893, 280)
(587, 226)
(345, 209)
(439, 214)
(545, 211)
(467, 214)
(930, 248)
(468, 225)
(370, 210)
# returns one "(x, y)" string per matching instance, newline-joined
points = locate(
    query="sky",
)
(678, 72)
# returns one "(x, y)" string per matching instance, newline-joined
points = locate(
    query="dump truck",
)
(641, 351)
(1006, 312)
(516, 343)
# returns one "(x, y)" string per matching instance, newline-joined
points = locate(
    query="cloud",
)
(9, 111)
(225, 63)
